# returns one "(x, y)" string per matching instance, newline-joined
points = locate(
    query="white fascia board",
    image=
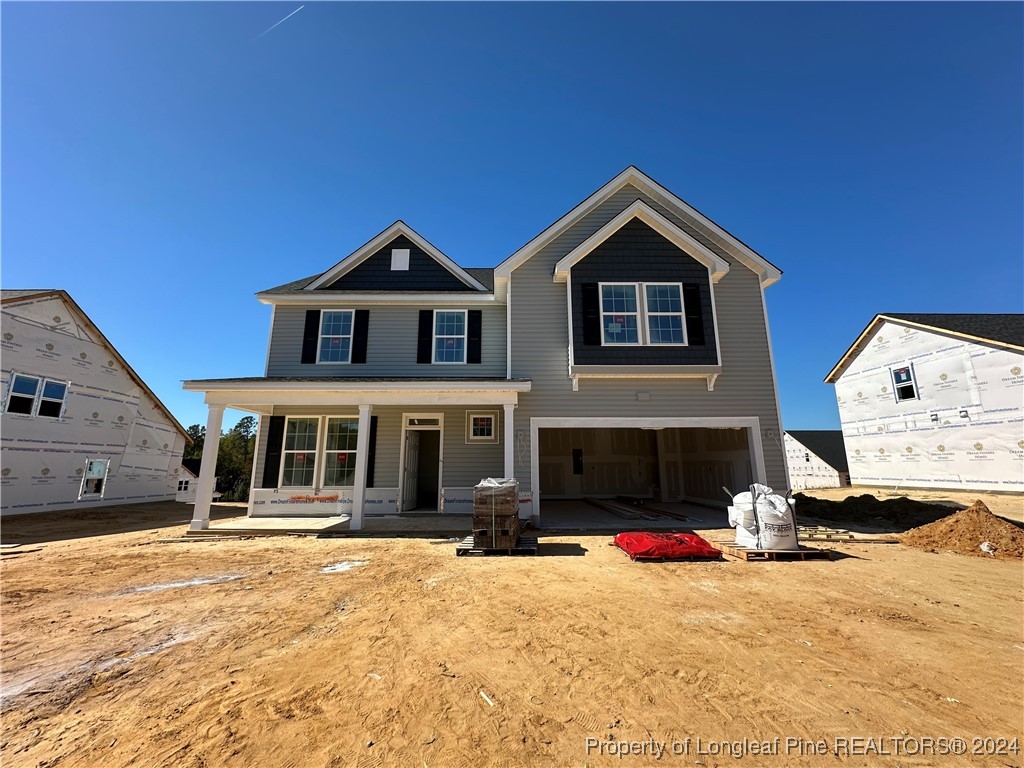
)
(767, 273)
(858, 346)
(717, 267)
(398, 228)
(347, 298)
(437, 385)
(646, 371)
(265, 402)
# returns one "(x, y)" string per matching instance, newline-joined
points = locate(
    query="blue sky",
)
(162, 164)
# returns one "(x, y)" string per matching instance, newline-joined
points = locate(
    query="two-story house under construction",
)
(623, 351)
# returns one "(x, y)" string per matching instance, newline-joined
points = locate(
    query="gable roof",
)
(397, 229)
(1005, 330)
(12, 296)
(192, 466)
(826, 444)
(716, 265)
(743, 253)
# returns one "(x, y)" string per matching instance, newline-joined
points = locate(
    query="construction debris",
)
(964, 533)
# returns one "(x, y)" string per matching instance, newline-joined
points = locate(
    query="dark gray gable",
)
(374, 273)
(636, 253)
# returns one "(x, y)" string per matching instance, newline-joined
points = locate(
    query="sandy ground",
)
(119, 650)
(1008, 505)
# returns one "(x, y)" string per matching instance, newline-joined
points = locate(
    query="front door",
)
(422, 459)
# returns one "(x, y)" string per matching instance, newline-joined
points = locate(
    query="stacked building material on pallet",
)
(496, 514)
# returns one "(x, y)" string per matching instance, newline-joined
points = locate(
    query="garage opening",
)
(666, 464)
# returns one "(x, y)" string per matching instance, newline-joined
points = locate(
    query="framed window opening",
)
(94, 479)
(642, 314)
(449, 336)
(36, 396)
(319, 452)
(481, 427)
(182, 485)
(335, 342)
(904, 383)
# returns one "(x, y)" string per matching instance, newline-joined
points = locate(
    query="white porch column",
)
(362, 449)
(510, 440)
(207, 470)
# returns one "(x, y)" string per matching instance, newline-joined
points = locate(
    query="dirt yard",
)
(119, 650)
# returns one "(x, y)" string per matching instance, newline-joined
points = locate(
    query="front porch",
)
(352, 454)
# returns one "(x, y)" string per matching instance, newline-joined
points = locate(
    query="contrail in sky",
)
(282, 21)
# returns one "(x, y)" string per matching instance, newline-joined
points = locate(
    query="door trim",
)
(406, 426)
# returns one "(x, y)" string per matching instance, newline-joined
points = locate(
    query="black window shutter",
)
(474, 335)
(371, 452)
(591, 314)
(360, 330)
(424, 353)
(311, 336)
(272, 459)
(694, 315)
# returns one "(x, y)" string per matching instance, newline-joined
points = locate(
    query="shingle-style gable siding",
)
(540, 344)
(375, 273)
(636, 253)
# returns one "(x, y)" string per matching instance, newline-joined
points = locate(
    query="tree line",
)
(234, 457)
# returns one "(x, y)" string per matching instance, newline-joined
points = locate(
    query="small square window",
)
(481, 427)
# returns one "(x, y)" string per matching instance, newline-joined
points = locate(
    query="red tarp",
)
(664, 546)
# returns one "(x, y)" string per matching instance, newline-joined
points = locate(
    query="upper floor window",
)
(450, 336)
(36, 396)
(335, 336)
(642, 314)
(904, 384)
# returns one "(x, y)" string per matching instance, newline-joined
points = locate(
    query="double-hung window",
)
(335, 336)
(903, 383)
(36, 396)
(642, 314)
(449, 336)
(319, 451)
(298, 468)
(340, 452)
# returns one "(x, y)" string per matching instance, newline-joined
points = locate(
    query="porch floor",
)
(418, 523)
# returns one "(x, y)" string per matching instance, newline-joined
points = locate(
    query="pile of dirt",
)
(891, 515)
(964, 532)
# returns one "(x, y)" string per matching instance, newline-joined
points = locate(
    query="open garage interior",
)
(669, 464)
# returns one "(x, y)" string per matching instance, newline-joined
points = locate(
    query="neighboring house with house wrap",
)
(935, 401)
(816, 458)
(188, 480)
(79, 427)
(624, 350)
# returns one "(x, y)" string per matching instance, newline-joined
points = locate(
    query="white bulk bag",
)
(763, 519)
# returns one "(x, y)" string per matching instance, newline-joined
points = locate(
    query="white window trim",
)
(913, 383)
(38, 397)
(322, 448)
(103, 486)
(400, 259)
(643, 315)
(464, 337)
(315, 451)
(321, 336)
(492, 438)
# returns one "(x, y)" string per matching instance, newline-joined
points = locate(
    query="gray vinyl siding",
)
(464, 465)
(391, 344)
(540, 343)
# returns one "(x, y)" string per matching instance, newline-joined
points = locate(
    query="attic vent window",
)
(399, 259)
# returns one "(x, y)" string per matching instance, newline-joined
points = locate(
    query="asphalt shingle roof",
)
(1008, 329)
(826, 444)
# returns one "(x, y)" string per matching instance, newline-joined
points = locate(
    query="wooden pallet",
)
(527, 546)
(804, 553)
